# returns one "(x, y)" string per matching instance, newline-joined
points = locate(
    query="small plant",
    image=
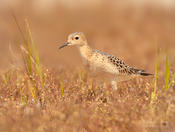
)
(4, 78)
(31, 60)
(62, 85)
(153, 95)
(168, 81)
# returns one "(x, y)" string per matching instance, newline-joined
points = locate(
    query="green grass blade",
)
(153, 95)
(35, 53)
(4, 78)
(62, 85)
(172, 80)
(19, 28)
(62, 88)
(167, 72)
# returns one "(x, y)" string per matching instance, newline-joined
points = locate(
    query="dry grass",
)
(84, 105)
(70, 99)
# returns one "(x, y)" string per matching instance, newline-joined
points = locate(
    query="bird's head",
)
(77, 39)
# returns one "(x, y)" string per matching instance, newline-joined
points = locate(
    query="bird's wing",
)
(122, 67)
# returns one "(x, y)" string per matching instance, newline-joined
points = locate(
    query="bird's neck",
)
(85, 51)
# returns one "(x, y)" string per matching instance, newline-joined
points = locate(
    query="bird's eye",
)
(76, 38)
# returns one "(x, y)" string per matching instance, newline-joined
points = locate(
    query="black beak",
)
(64, 45)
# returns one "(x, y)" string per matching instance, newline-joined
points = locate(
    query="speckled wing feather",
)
(123, 68)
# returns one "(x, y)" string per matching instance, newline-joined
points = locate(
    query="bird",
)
(107, 63)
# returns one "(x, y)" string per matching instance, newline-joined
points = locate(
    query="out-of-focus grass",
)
(62, 85)
(168, 81)
(5, 80)
(34, 53)
(31, 61)
(83, 107)
(153, 95)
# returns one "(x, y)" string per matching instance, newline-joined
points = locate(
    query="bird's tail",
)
(141, 72)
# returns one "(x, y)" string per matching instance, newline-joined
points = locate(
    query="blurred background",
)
(127, 29)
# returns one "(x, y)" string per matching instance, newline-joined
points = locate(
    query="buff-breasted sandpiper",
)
(103, 61)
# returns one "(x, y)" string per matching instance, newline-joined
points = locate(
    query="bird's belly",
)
(103, 64)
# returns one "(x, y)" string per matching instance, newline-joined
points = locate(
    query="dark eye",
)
(76, 38)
